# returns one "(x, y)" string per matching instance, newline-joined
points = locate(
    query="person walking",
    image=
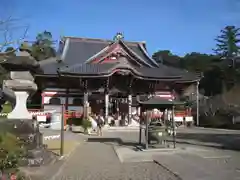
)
(100, 123)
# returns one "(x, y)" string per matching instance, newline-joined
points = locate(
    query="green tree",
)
(42, 48)
(211, 82)
(227, 44)
(167, 57)
(198, 62)
(194, 61)
(206, 64)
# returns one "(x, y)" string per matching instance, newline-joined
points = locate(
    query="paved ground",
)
(206, 165)
(98, 161)
(52, 139)
(199, 155)
(222, 139)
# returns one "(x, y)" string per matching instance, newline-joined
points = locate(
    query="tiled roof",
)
(98, 70)
(79, 50)
(88, 69)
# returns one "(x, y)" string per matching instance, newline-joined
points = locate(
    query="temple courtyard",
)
(199, 154)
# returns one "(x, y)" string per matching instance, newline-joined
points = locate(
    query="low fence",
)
(45, 116)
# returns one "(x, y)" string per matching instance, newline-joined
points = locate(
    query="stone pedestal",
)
(20, 110)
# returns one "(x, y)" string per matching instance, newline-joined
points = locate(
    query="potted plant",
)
(76, 124)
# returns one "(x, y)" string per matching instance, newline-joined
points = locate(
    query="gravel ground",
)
(98, 161)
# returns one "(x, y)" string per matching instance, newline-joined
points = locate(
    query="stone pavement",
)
(188, 163)
(221, 139)
(98, 161)
(211, 167)
(201, 159)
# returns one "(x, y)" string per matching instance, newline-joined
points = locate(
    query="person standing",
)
(100, 123)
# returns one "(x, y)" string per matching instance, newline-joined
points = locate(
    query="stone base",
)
(38, 157)
(18, 127)
(156, 147)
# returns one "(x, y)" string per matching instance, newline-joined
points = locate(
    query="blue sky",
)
(181, 26)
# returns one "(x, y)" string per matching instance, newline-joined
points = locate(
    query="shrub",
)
(11, 152)
(86, 123)
(76, 121)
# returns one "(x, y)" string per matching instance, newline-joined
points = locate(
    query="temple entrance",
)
(118, 108)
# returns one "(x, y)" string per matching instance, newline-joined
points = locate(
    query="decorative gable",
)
(115, 50)
(110, 55)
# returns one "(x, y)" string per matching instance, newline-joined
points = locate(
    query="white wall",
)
(50, 92)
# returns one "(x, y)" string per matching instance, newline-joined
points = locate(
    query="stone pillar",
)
(129, 109)
(106, 106)
(20, 110)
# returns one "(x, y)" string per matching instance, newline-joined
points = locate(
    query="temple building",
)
(107, 75)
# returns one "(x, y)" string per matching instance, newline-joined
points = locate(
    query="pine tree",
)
(227, 43)
(43, 46)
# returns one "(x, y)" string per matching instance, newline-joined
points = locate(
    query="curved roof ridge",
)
(102, 40)
(147, 55)
(95, 55)
(135, 54)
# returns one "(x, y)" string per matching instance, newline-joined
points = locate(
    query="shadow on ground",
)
(130, 144)
(205, 138)
(221, 141)
(115, 141)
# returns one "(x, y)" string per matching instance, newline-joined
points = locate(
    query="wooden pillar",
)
(117, 108)
(85, 100)
(139, 111)
(139, 107)
(66, 99)
(106, 95)
(197, 101)
(173, 127)
(130, 101)
(129, 109)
